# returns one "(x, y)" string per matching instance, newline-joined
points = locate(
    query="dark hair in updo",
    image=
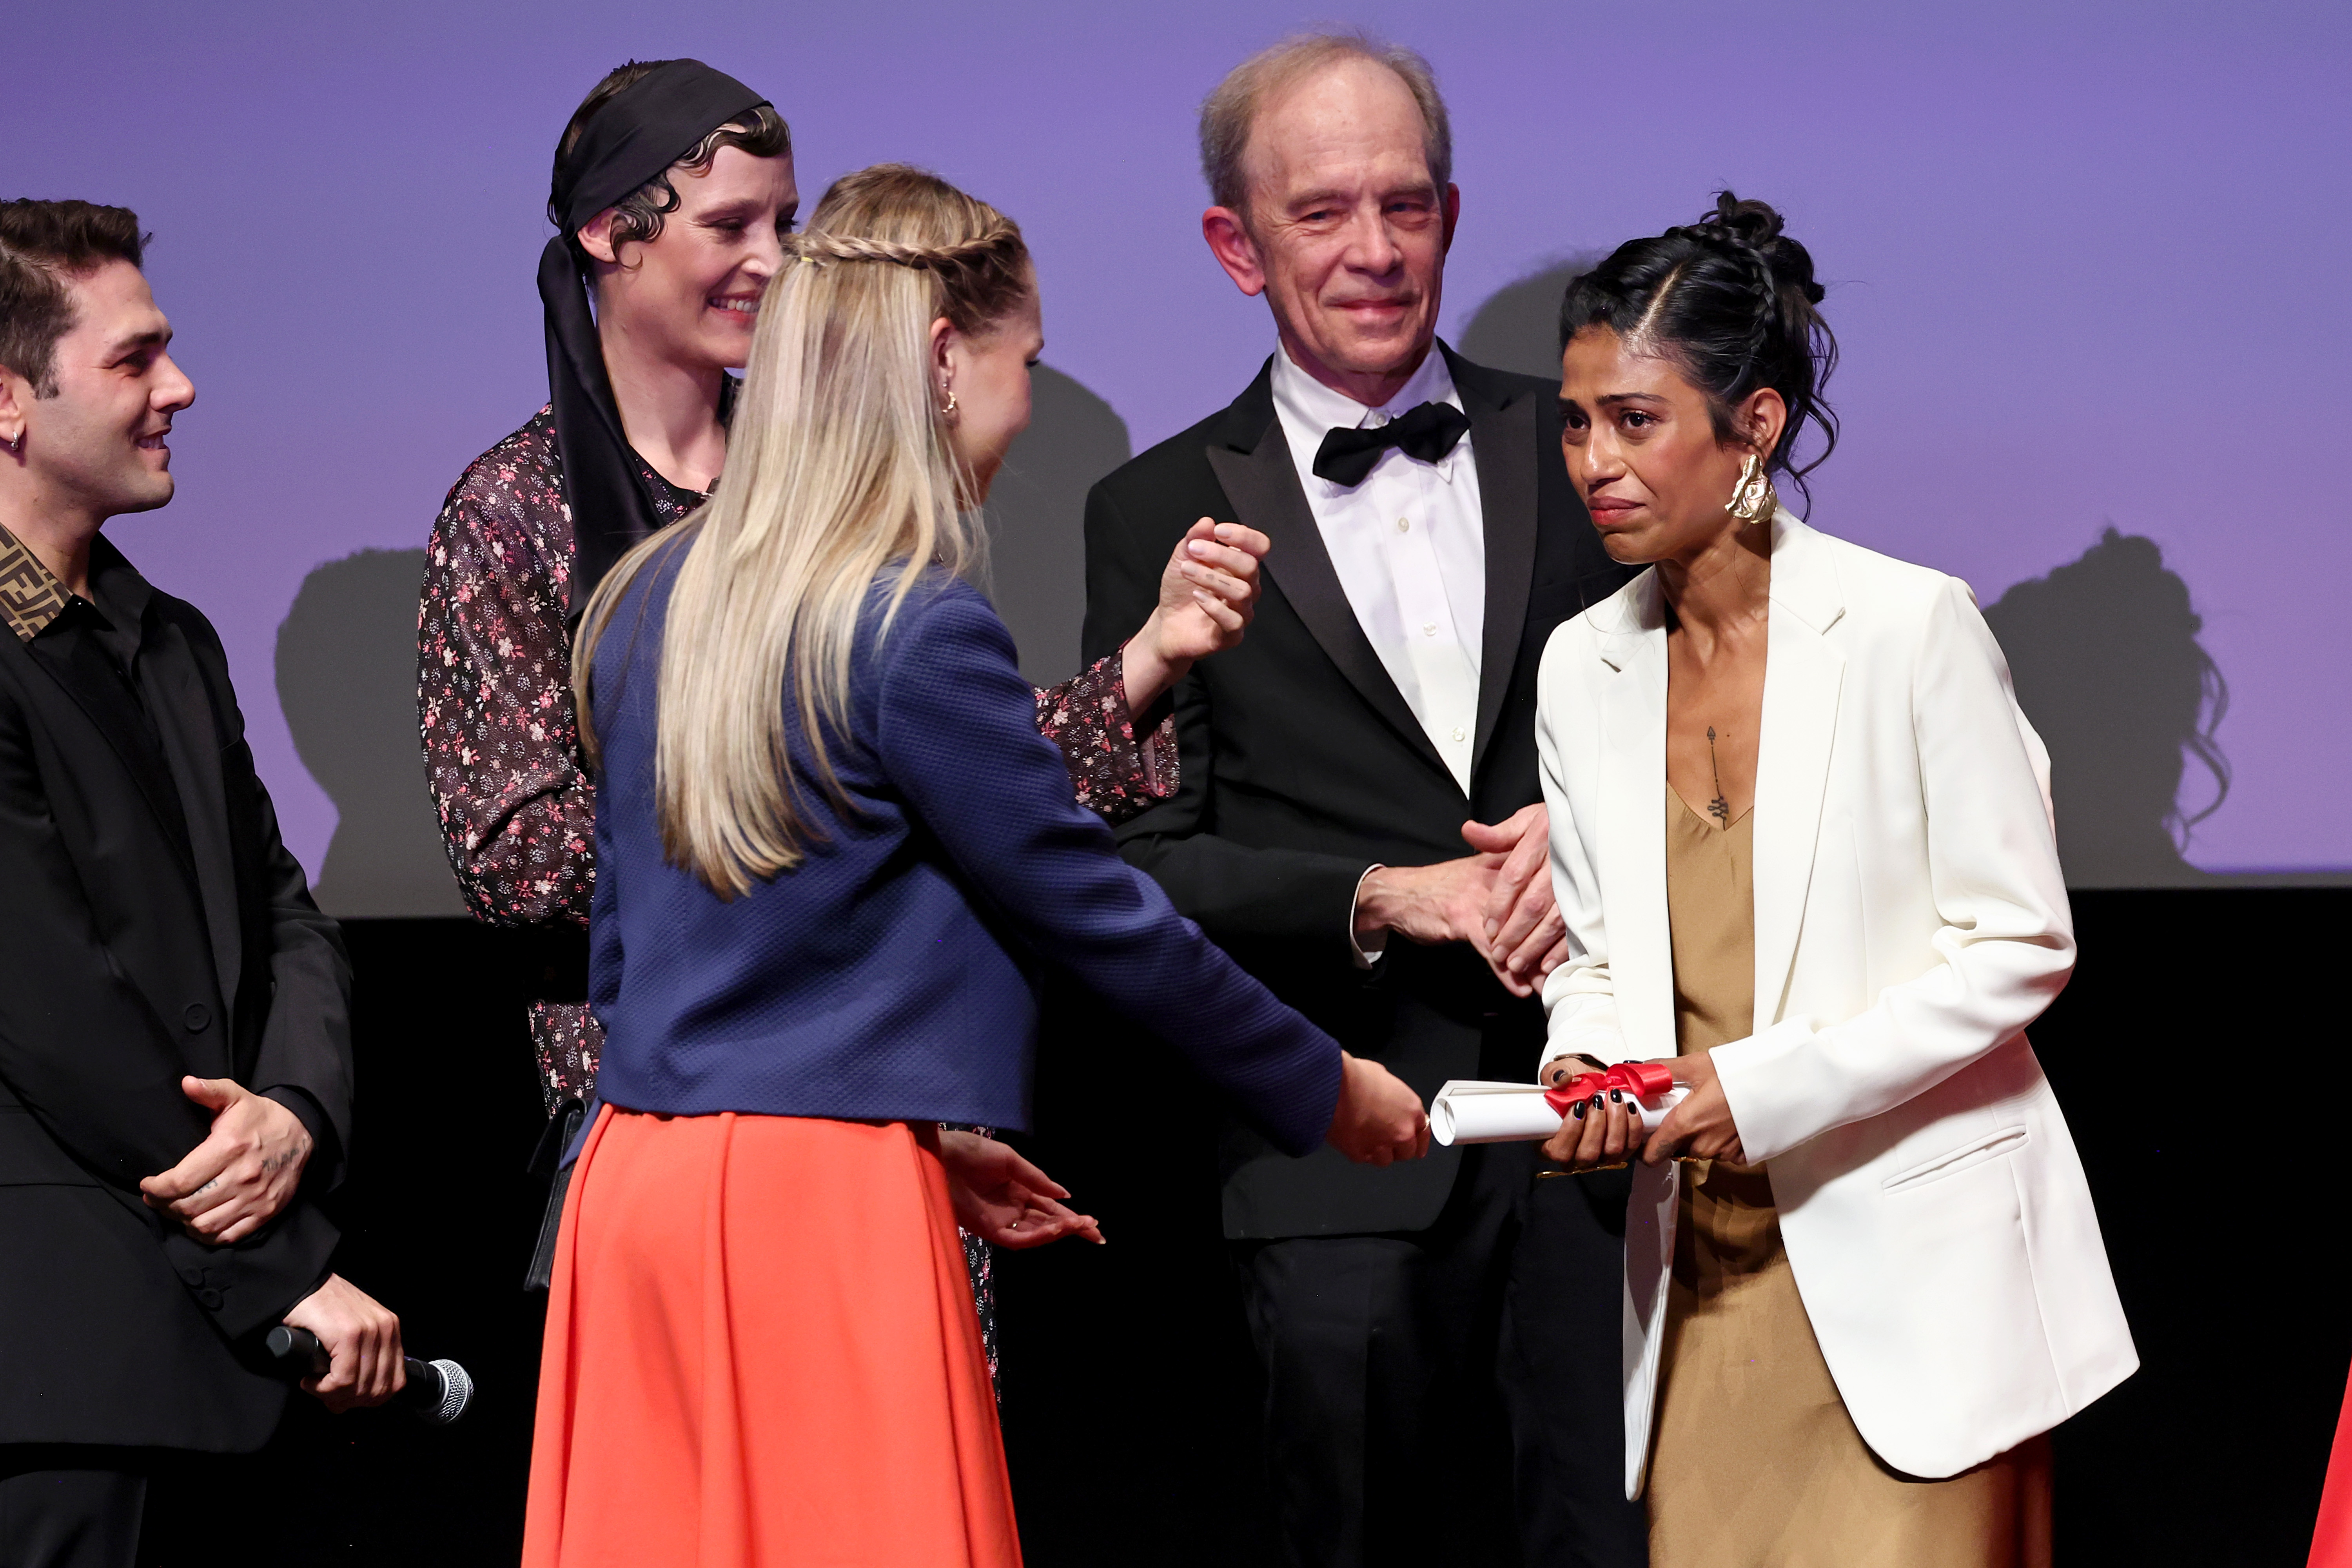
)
(1729, 300)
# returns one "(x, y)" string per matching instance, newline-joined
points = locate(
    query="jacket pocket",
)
(1952, 1162)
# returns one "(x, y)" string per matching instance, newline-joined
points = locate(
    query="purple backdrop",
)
(2087, 264)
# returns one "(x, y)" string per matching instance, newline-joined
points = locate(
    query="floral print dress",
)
(502, 740)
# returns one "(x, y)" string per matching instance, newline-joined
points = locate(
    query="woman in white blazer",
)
(1802, 841)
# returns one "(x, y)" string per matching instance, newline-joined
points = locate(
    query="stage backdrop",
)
(2087, 264)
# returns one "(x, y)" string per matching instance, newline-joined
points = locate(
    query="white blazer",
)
(1910, 921)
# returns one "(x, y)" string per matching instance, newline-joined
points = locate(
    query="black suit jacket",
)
(152, 926)
(1303, 765)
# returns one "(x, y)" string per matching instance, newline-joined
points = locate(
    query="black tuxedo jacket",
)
(153, 925)
(1302, 766)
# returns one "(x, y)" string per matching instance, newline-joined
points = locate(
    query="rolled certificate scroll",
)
(1468, 1110)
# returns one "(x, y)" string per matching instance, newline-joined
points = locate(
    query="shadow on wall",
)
(1518, 327)
(347, 682)
(347, 656)
(2105, 654)
(2104, 651)
(1037, 520)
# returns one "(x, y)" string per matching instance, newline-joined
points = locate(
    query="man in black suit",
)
(1426, 543)
(176, 1071)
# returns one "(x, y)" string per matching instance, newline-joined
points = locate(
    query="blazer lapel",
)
(1253, 462)
(1503, 444)
(84, 675)
(1803, 673)
(1632, 821)
(189, 724)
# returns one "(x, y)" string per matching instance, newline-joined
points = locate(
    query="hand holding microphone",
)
(344, 1346)
(362, 1340)
(435, 1392)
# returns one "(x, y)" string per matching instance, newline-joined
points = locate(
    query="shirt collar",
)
(31, 598)
(120, 594)
(1307, 402)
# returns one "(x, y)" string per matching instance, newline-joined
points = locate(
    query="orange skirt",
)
(761, 1350)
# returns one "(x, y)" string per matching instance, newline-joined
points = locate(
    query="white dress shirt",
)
(1409, 545)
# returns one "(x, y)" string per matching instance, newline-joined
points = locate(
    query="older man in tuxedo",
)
(1360, 823)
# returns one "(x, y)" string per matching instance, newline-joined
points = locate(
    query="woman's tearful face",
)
(1641, 450)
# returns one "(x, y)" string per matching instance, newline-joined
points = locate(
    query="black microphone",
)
(438, 1392)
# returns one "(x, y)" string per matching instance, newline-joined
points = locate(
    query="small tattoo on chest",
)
(1719, 808)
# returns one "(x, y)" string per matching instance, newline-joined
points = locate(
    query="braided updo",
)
(1730, 300)
(899, 214)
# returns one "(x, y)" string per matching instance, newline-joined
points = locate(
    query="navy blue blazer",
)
(894, 972)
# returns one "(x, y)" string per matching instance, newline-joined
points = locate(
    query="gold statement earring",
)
(949, 407)
(1753, 500)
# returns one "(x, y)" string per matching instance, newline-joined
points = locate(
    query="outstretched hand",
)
(1005, 1200)
(242, 1174)
(1378, 1119)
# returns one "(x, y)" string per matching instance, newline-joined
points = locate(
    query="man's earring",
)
(15, 444)
(1753, 500)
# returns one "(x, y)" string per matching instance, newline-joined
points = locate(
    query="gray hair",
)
(1228, 114)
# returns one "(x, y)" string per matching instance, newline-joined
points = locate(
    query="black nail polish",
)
(1599, 1103)
(1577, 1110)
(1616, 1097)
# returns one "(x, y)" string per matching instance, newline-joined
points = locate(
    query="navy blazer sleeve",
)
(951, 708)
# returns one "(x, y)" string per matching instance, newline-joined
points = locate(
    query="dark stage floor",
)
(1127, 1394)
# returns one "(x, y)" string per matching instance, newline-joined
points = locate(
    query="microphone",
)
(437, 1393)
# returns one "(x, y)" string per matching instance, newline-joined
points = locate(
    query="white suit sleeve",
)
(1579, 997)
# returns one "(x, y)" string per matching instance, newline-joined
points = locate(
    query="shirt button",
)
(1429, 629)
(1459, 734)
(1404, 526)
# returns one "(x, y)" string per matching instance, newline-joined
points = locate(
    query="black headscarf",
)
(639, 132)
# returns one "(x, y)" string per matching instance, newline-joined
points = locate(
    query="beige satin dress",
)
(1756, 1463)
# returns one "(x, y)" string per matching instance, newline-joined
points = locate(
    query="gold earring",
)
(1753, 500)
(949, 406)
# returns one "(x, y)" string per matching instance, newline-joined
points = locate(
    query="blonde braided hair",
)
(818, 247)
(842, 477)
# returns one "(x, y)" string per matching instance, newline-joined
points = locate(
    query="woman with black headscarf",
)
(673, 187)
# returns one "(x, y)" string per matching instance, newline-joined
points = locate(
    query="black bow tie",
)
(1426, 431)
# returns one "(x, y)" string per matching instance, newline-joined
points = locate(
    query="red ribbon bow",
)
(1643, 1080)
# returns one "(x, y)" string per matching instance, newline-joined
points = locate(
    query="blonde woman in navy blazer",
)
(1880, 1155)
(834, 855)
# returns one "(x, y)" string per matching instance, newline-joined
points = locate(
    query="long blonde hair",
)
(839, 469)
